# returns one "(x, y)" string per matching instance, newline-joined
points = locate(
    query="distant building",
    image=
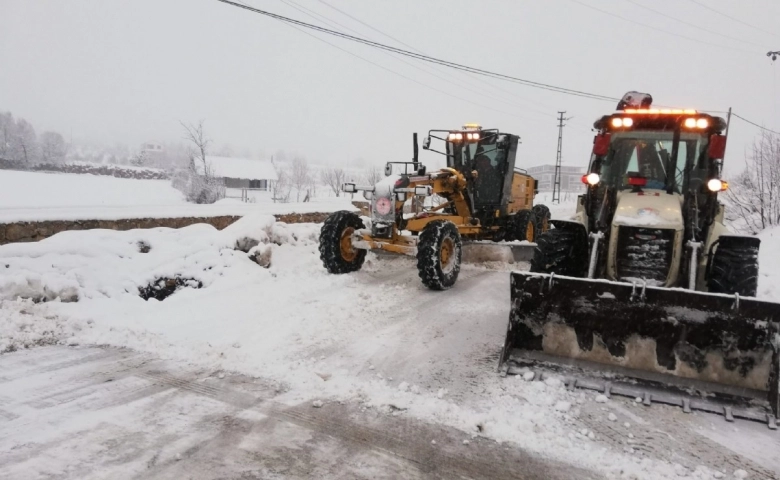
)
(571, 177)
(153, 148)
(241, 172)
(154, 155)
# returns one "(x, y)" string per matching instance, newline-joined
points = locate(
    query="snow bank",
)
(768, 259)
(78, 265)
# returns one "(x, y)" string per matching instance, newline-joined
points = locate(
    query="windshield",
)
(472, 155)
(649, 154)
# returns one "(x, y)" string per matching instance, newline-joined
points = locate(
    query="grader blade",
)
(722, 346)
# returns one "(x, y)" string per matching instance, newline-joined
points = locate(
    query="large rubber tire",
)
(734, 267)
(336, 252)
(562, 252)
(542, 214)
(522, 226)
(439, 251)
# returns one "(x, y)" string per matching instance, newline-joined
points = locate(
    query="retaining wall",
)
(34, 231)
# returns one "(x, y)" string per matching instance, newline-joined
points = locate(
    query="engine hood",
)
(649, 208)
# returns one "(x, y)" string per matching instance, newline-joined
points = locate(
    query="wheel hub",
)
(447, 254)
(529, 232)
(345, 245)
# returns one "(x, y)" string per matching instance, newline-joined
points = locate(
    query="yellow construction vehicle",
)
(480, 195)
(645, 281)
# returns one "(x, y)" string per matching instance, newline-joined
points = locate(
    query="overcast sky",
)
(129, 70)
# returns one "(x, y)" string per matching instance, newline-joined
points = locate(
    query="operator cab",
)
(658, 152)
(488, 152)
(667, 150)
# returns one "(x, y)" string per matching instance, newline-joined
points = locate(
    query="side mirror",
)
(717, 148)
(427, 143)
(601, 144)
(349, 188)
(388, 169)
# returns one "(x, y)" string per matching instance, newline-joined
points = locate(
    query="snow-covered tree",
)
(754, 196)
(53, 147)
(202, 186)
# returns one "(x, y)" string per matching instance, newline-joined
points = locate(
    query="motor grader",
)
(479, 195)
(646, 282)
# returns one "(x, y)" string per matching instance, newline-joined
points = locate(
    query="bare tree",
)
(373, 175)
(7, 131)
(53, 147)
(280, 188)
(300, 176)
(195, 135)
(202, 187)
(754, 196)
(334, 177)
(24, 142)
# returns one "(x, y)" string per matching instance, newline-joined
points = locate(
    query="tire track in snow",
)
(662, 435)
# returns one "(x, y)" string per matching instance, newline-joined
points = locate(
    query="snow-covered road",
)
(91, 413)
(374, 347)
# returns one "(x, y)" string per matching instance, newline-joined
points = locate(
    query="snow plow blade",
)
(721, 345)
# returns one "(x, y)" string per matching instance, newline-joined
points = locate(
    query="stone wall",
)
(34, 231)
(118, 171)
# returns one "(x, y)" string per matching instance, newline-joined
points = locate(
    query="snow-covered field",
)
(29, 190)
(35, 196)
(376, 339)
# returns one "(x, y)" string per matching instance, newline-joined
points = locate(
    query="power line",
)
(732, 18)
(478, 79)
(612, 14)
(690, 24)
(328, 21)
(404, 76)
(446, 63)
(367, 25)
(418, 67)
(487, 73)
(755, 124)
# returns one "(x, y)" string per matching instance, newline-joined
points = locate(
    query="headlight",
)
(717, 185)
(690, 123)
(455, 137)
(627, 122)
(702, 123)
(617, 122)
(591, 179)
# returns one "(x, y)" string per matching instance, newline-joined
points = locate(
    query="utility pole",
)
(726, 133)
(556, 196)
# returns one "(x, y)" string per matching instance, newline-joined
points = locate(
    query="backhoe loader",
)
(645, 282)
(480, 195)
